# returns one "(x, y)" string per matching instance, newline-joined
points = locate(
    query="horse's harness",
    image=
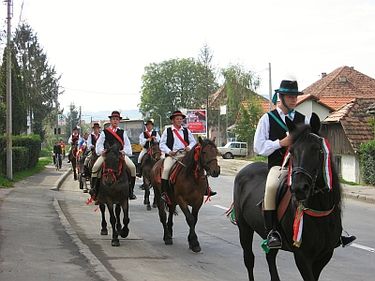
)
(107, 172)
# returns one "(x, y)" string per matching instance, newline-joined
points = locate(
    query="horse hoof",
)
(115, 243)
(104, 232)
(154, 205)
(195, 249)
(148, 207)
(85, 190)
(124, 232)
(168, 241)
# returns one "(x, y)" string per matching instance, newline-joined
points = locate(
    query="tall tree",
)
(72, 119)
(173, 84)
(239, 85)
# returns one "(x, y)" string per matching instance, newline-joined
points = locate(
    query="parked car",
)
(232, 149)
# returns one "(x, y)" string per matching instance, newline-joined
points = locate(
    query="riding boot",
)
(273, 237)
(138, 170)
(94, 191)
(164, 191)
(131, 189)
(210, 192)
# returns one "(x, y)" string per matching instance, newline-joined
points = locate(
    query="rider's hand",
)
(172, 153)
(104, 152)
(187, 148)
(149, 139)
(287, 141)
(122, 152)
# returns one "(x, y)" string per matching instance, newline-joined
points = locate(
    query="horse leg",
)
(125, 230)
(320, 263)
(172, 210)
(304, 266)
(146, 200)
(271, 260)
(104, 230)
(191, 219)
(118, 219)
(115, 241)
(246, 240)
(163, 217)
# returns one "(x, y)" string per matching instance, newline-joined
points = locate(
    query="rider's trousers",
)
(272, 183)
(168, 163)
(143, 152)
(87, 159)
(95, 169)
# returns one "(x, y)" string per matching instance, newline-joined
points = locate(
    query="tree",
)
(72, 119)
(172, 85)
(239, 85)
(249, 115)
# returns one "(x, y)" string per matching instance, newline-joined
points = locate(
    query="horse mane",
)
(189, 161)
(302, 134)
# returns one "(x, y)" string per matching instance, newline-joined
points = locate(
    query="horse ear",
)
(315, 123)
(200, 140)
(289, 123)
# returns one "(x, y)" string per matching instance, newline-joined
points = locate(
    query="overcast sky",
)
(102, 47)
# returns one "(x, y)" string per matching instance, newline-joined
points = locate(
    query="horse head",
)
(208, 156)
(154, 152)
(309, 160)
(112, 166)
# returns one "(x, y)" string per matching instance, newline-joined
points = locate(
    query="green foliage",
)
(240, 84)
(367, 160)
(247, 121)
(72, 120)
(25, 151)
(175, 84)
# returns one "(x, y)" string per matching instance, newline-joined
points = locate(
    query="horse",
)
(114, 190)
(314, 210)
(188, 188)
(73, 159)
(148, 161)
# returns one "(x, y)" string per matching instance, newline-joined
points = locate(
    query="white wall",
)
(310, 106)
(350, 168)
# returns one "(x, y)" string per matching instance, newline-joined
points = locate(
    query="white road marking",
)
(359, 246)
(355, 245)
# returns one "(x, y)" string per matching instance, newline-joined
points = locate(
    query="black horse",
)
(114, 190)
(73, 159)
(320, 235)
(148, 161)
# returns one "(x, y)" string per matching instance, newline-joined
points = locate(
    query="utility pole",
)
(9, 95)
(270, 84)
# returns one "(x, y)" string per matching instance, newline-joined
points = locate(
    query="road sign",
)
(60, 119)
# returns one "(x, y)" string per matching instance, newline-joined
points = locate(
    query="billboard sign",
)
(196, 121)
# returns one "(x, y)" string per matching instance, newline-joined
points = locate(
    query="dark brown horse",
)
(73, 159)
(188, 189)
(148, 161)
(311, 196)
(114, 190)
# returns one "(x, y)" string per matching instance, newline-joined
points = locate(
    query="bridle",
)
(204, 165)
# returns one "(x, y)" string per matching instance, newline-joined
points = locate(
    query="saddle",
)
(172, 173)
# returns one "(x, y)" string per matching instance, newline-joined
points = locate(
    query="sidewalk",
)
(231, 167)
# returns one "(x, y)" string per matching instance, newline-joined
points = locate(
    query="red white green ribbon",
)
(327, 164)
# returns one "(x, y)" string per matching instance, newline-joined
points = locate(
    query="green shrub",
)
(367, 160)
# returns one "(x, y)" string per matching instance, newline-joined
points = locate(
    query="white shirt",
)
(262, 144)
(100, 144)
(177, 144)
(89, 141)
(143, 140)
(71, 142)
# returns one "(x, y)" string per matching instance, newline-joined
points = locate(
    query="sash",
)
(116, 136)
(179, 137)
(282, 125)
(148, 134)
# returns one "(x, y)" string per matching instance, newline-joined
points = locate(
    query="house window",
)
(337, 163)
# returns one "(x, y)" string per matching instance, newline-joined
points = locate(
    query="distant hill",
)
(103, 115)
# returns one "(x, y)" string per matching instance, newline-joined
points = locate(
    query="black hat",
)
(115, 114)
(177, 113)
(149, 122)
(96, 124)
(288, 87)
(76, 128)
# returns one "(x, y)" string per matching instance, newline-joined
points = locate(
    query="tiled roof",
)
(264, 103)
(344, 83)
(335, 102)
(354, 120)
(326, 103)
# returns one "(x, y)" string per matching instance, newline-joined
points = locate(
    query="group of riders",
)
(271, 140)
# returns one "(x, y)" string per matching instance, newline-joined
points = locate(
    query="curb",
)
(61, 179)
(359, 197)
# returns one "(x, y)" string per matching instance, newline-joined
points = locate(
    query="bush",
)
(367, 160)
(26, 150)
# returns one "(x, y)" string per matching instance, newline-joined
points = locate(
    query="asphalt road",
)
(143, 255)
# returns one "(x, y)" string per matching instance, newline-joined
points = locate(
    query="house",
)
(346, 129)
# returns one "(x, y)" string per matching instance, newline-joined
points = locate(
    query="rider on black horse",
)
(74, 139)
(146, 139)
(91, 142)
(109, 136)
(272, 139)
(175, 142)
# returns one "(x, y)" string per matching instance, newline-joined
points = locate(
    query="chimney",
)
(324, 74)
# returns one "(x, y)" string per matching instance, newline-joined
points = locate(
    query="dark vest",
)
(147, 144)
(94, 139)
(110, 139)
(170, 137)
(277, 132)
(75, 139)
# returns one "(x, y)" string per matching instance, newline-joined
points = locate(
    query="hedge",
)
(367, 160)
(25, 151)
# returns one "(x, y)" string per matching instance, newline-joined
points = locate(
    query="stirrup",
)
(164, 196)
(274, 240)
(347, 240)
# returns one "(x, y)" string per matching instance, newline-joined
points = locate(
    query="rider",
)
(91, 142)
(146, 139)
(110, 136)
(74, 139)
(62, 144)
(272, 139)
(57, 153)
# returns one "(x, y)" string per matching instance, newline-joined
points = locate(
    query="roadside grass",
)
(43, 161)
(257, 158)
(348, 182)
